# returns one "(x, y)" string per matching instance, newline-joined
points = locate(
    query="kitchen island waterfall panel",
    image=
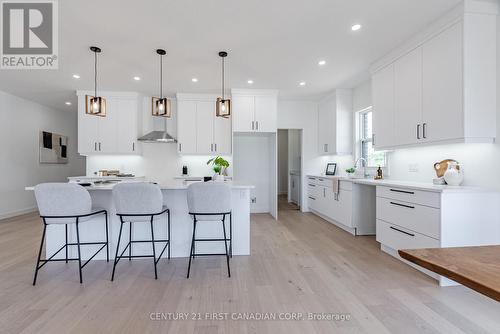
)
(181, 227)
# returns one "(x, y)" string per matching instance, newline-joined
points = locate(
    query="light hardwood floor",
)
(299, 264)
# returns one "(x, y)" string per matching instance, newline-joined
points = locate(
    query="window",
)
(365, 141)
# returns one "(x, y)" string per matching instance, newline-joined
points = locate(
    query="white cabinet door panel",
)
(408, 98)
(222, 135)
(266, 113)
(186, 127)
(383, 107)
(108, 130)
(243, 113)
(127, 126)
(443, 86)
(205, 113)
(88, 130)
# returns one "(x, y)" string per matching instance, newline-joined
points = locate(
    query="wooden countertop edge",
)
(457, 277)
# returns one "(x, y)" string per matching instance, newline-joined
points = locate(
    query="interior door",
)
(186, 127)
(408, 98)
(222, 135)
(205, 113)
(383, 107)
(442, 85)
(243, 113)
(266, 113)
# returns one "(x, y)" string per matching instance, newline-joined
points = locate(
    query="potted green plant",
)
(219, 166)
(350, 172)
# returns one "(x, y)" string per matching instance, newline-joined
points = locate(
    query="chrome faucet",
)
(365, 174)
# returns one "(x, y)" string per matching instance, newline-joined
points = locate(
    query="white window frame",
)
(359, 140)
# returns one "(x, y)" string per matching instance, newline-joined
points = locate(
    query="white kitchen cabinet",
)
(117, 132)
(383, 107)
(412, 219)
(440, 90)
(199, 130)
(335, 123)
(442, 86)
(408, 98)
(254, 110)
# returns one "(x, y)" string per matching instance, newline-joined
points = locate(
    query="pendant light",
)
(161, 106)
(97, 104)
(223, 106)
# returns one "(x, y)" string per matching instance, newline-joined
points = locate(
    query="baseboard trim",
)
(17, 212)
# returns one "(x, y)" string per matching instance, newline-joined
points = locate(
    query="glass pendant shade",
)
(97, 106)
(223, 108)
(162, 107)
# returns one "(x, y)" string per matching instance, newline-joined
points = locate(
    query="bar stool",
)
(139, 202)
(67, 203)
(210, 201)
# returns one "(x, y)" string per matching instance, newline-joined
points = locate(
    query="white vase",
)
(453, 175)
(219, 178)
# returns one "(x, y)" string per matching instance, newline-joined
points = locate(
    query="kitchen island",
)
(174, 197)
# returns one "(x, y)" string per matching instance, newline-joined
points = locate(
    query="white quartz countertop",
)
(407, 184)
(172, 185)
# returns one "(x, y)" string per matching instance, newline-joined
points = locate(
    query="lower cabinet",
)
(413, 219)
(337, 208)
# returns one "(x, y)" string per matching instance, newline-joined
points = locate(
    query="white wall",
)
(283, 161)
(20, 123)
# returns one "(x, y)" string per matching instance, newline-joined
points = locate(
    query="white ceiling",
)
(276, 43)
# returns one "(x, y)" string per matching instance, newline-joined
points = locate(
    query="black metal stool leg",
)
(153, 243)
(107, 237)
(66, 232)
(225, 245)
(79, 253)
(231, 234)
(40, 252)
(117, 248)
(130, 241)
(191, 254)
(168, 223)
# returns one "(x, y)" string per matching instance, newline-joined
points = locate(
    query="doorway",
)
(289, 169)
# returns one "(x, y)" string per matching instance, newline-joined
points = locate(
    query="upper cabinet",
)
(117, 132)
(335, 123)
(199, 131)
(254, 110)
(443, 90)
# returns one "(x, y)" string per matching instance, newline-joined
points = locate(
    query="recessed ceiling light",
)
(76, 76)
(194, 80)
(250, 82)
(137, 78)
(321, 62)
(356, 27)
(302, 83)
(68, 103)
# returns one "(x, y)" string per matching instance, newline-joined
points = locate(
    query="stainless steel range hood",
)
(157, 137)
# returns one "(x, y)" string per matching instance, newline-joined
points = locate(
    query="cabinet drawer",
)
(418, 218)
(428, 198)
(397, 237)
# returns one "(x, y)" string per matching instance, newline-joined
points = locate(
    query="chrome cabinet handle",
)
(424, 130)
(180, 147)
(253, 125)
(95, 146)
(133, 146)
(401, 231)
(99, 146)
(312, 198)
(418, 131)
(215, 147)
(312, 185)
(257, 125)
(373, 139)
(211, 147)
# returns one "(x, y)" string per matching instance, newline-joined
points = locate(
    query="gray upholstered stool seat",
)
(67, 203)
(210, 201)
(140, 202)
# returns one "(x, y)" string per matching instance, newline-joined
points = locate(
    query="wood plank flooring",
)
(299, 265)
